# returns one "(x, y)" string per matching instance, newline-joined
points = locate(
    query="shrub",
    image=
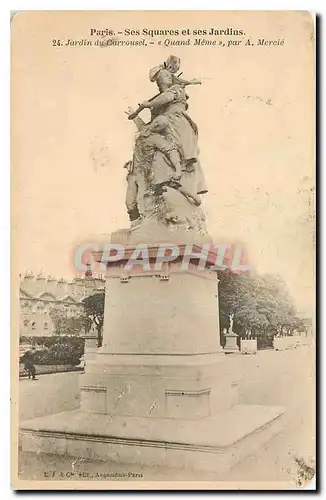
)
(57, 351)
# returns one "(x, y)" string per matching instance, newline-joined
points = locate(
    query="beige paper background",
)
(70, 138)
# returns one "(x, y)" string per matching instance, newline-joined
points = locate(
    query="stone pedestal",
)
(159, 391)
(91, 342)
(231, 345)
(248, 346)
(91, 347)
(280, 343)
(160, 352)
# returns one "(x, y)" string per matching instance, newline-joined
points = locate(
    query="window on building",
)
(46, 326)
(26, 322)
(33, 325)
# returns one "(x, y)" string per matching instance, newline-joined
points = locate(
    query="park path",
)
(48, 394)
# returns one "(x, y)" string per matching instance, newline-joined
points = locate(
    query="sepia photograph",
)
(163, 250)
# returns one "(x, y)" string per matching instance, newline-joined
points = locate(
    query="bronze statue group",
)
(165, 158)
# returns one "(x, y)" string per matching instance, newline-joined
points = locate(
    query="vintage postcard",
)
(163, 257)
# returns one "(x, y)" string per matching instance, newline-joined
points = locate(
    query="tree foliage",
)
(260, 304)
(70, 326)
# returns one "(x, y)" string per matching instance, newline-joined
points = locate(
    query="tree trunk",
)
(99, 336)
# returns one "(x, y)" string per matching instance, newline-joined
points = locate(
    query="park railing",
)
(47, 369)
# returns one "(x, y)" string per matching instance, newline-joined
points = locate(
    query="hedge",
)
(56, 350)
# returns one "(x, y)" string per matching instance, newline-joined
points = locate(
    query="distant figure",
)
(29, 367)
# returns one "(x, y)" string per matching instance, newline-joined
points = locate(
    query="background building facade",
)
(39, 295)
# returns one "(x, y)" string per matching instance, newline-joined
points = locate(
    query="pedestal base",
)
(161, 386)
(231, 345)
(210, 444)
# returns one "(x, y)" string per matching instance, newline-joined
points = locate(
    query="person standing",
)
(27, 360)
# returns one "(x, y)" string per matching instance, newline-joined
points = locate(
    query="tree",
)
(236, 297)
(94, 311)
(261, 304)
(64, 325)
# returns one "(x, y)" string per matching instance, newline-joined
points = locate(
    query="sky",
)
(71, 138)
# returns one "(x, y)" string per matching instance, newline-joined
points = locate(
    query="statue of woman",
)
(166, 154)
(171, 104)
(157, 165)
(231, 316)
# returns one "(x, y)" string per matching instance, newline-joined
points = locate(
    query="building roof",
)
(59, 290)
